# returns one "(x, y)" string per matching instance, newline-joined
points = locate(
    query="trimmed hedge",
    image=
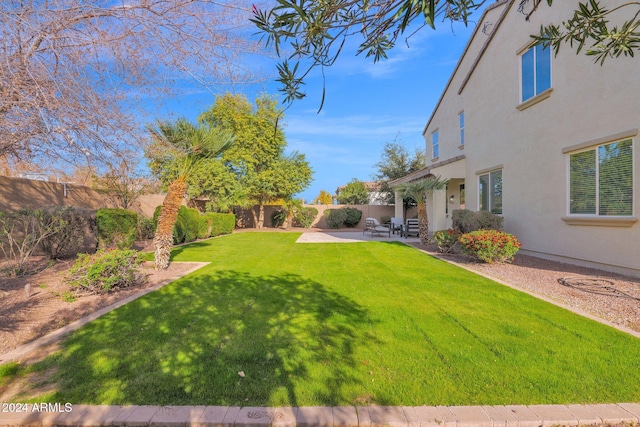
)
(353, 217)
(335, 217)
(305, 217)
(74, 226)
(117, 228)
(191, 224)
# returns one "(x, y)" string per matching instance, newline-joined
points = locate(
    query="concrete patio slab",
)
(314, 416)
(231, 415)
(448, 418)
(554, 415)
(364, 420)
(350, 237)
(413, 420)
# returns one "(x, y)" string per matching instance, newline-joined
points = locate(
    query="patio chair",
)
(396, 225)
(374, 226)
(411, 228)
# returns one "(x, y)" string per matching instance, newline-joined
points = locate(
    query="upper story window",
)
(490, 190)
(435, 148)
(461, 122)
(601, 180)
(535, 71)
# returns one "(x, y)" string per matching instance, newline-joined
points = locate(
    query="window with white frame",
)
(461, 123)
(535, 71)
(490, 191)
(435, 149)
(601, 180)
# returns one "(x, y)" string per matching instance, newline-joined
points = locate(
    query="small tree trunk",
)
(423, 223)
(260, 223)
(163, 239)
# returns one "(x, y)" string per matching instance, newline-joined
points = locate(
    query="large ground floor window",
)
(490, 189)
(601, 180)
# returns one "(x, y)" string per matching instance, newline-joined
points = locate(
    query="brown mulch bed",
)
(609, 296)
(23, 319)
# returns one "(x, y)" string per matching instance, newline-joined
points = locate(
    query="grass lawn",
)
(337, 324)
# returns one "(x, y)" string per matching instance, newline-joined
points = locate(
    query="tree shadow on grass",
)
(226, 338)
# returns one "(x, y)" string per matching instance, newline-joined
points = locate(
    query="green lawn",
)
(339, 324)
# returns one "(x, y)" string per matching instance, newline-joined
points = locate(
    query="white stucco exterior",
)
(587, 105)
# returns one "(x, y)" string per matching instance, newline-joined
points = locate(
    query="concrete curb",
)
(339, 416)
(22, 351)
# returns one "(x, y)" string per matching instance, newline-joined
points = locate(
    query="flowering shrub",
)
(106, 271)
(446, 239)
(490, 245)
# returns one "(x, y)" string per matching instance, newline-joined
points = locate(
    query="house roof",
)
(422, 173)
(489, 8)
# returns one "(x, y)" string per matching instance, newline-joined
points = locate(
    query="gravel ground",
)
(609, 296)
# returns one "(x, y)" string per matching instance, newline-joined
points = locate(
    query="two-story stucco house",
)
(548, 142)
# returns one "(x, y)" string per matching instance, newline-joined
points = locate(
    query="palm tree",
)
(420, 190)
(186, 145)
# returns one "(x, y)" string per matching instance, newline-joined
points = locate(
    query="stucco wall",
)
(587, 102)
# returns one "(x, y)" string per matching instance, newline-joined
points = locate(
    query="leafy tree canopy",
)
(354, 193)
(396, 162)
(313, 33)
(324, 198)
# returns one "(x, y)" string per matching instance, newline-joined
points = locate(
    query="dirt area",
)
(24, 318)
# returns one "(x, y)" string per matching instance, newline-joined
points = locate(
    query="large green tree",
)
(396, 162)
(258, 160)
(354, 193)
(313, 33)
(181, 146)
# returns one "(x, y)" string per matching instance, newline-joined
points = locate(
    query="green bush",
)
(187, 225)
(73, 226)
(117, 228)
(204, 227)
(385, 219)
(278, 217)
(490, 245)
(467, 221)
(353, 217)
(304, 217)
(222, 223)
(447, 240)
(106, 271)
(146, 228)
(335, 217)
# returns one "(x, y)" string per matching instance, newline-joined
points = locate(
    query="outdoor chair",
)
(396, 225)
(411, 228)
(374, 226)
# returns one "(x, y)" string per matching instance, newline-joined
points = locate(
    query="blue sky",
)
(366, 105)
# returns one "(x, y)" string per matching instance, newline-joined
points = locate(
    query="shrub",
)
(221, 223)
(335, 217)
(187, 225)
(117, 228)
(204, 227)
(73, 226)
(20, 234)
(353, 217)
(146, 228)
(467, 221)
(447, 240)
(385, 219)
(490, 245)
(278, 217)
(106, 271)
(304, 217)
